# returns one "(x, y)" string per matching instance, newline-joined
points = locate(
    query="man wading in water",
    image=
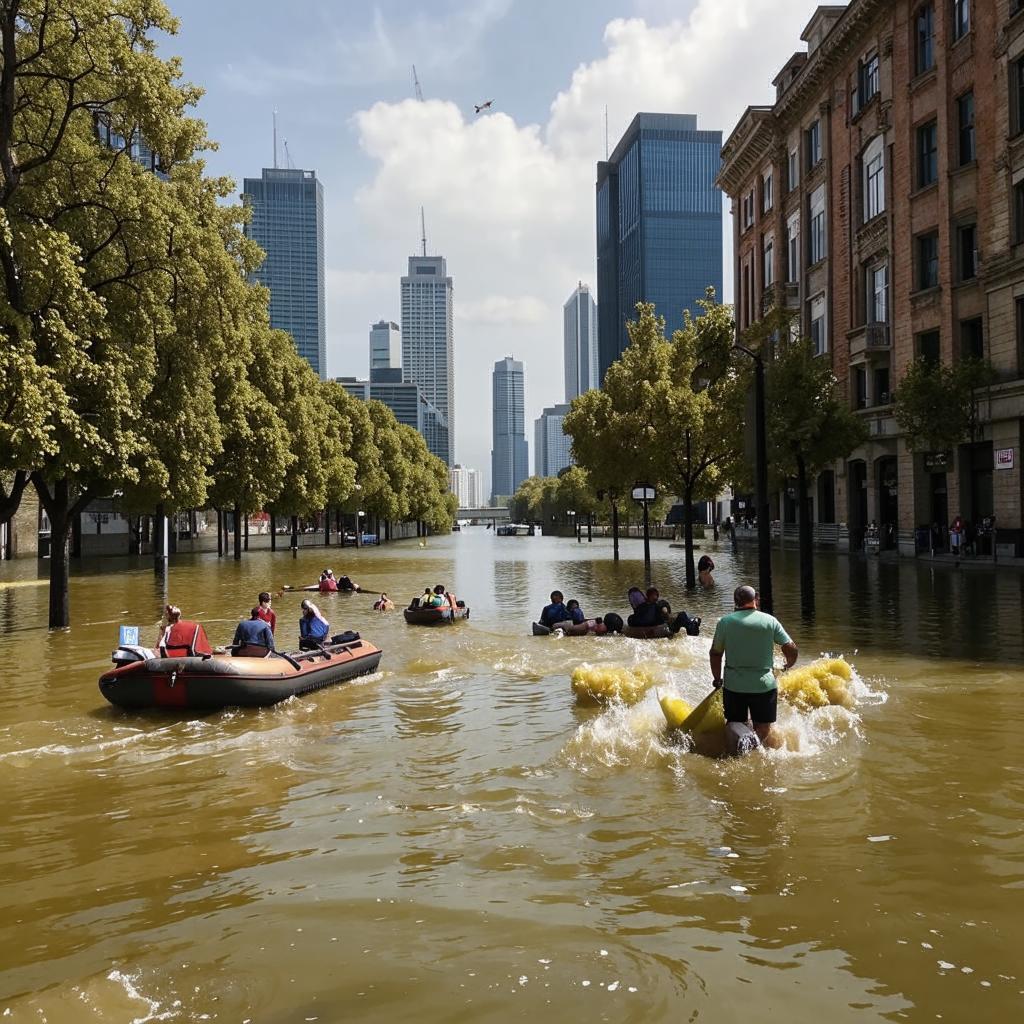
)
(747, 639)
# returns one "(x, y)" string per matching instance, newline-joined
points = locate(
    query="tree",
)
(809, 426)
(937, 403)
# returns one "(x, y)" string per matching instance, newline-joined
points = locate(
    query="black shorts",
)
(761, 707)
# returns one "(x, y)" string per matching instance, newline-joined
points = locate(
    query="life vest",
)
(328, 586)
(185, 639)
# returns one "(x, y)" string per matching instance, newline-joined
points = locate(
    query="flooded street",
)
(454, 839)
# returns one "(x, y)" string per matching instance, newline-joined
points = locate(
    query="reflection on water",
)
(454, 838)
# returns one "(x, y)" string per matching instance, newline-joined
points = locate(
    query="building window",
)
(793, 177)
(874, 180)
(819, 335)
(928, 260)
(972, 338)
(793, 250)
(769, 263)
(881, 383)
(748, 210)
(924, 39)
(867, 82)
(817, 218)
(1018, 213)
(961, 19)
(965, 124)
(927, 154)
(1017, 96)
(878, 294)
(766, 192)
(860, 387)
(813, 145)
(967, 247)
(928, 346)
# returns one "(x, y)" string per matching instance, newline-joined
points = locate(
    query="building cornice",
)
(746, 149)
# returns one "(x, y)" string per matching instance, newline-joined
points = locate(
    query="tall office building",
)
(288, 223)
(467, 486)
(428, 336)
(659, 225)
(407, 402)
(510, 455)
(551, 446)
(385, 346)
(580, 336)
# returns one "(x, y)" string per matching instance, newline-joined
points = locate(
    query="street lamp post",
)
(764, 528)
(645, 494)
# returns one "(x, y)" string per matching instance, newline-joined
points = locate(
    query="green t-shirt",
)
(748, 638)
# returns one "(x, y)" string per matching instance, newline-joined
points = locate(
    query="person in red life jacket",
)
(183, 638)
(267, 614)
(328, 584)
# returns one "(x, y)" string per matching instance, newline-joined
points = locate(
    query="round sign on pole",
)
(644, 492)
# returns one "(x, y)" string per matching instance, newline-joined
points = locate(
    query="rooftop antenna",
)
(423, 229)
(288, 156)
(275, 138)
(606, 131)
(416, 84)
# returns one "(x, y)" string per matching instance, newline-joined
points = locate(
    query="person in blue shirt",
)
(556, 611)
(576, 615)
(313, 627)
(255, 632)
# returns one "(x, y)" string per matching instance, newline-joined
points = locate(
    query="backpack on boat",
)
(350, 636)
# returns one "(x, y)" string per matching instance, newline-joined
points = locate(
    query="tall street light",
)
(764, 528)
(645, 494)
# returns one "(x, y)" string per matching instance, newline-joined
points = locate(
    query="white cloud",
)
(511, 206)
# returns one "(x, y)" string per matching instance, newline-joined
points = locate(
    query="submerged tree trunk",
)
(245, 543)
(237, 526)
(295, 536)
(691, 574)
(61, 510)
(806, 538)
(615, 530)
(160, 540)
(273, 532)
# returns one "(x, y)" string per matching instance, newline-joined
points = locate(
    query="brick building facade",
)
(882, 197)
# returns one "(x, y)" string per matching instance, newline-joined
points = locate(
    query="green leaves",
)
(936, 403)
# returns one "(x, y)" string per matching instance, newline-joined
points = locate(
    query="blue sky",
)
(508, 197)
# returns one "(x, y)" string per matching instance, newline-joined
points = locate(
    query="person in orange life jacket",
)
(328, 584)
(255, 632)
(313, 627)
(267, 614)
(182, 638)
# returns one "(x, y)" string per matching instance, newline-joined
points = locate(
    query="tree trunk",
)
(237, 527)
(11, 500)
(806, 539)
(295, 536)
(273, 532)
(338, 527)
(615, 530)
(160, 540)
(246, 541)
(61, 511)
(691, 574)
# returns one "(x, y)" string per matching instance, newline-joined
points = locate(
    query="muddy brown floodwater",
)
(453, 839)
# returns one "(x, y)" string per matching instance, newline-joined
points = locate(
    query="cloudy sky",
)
(509, 196)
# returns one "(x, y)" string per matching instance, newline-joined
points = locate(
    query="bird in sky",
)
(481, 107)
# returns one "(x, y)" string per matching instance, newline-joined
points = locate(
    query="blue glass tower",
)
(287, 222)
(510, 456)
(659, 225)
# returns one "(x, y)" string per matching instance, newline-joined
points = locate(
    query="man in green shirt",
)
(747, 640)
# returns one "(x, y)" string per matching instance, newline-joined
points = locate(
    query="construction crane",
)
(416, 84)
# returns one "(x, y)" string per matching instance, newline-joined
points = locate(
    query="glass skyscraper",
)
(287, 222)
(659, 226)
(580, 339)
(510, 456)
(385, 346)
(428, 337)
(551, 445)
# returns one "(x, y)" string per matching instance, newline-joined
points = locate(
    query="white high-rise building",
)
(551, 447)
(580, 333)
(428, 336)
(467, 485)
(385, 346)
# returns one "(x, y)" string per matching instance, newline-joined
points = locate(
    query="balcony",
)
(869, 338)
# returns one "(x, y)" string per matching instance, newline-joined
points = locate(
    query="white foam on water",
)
(153, 1005)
